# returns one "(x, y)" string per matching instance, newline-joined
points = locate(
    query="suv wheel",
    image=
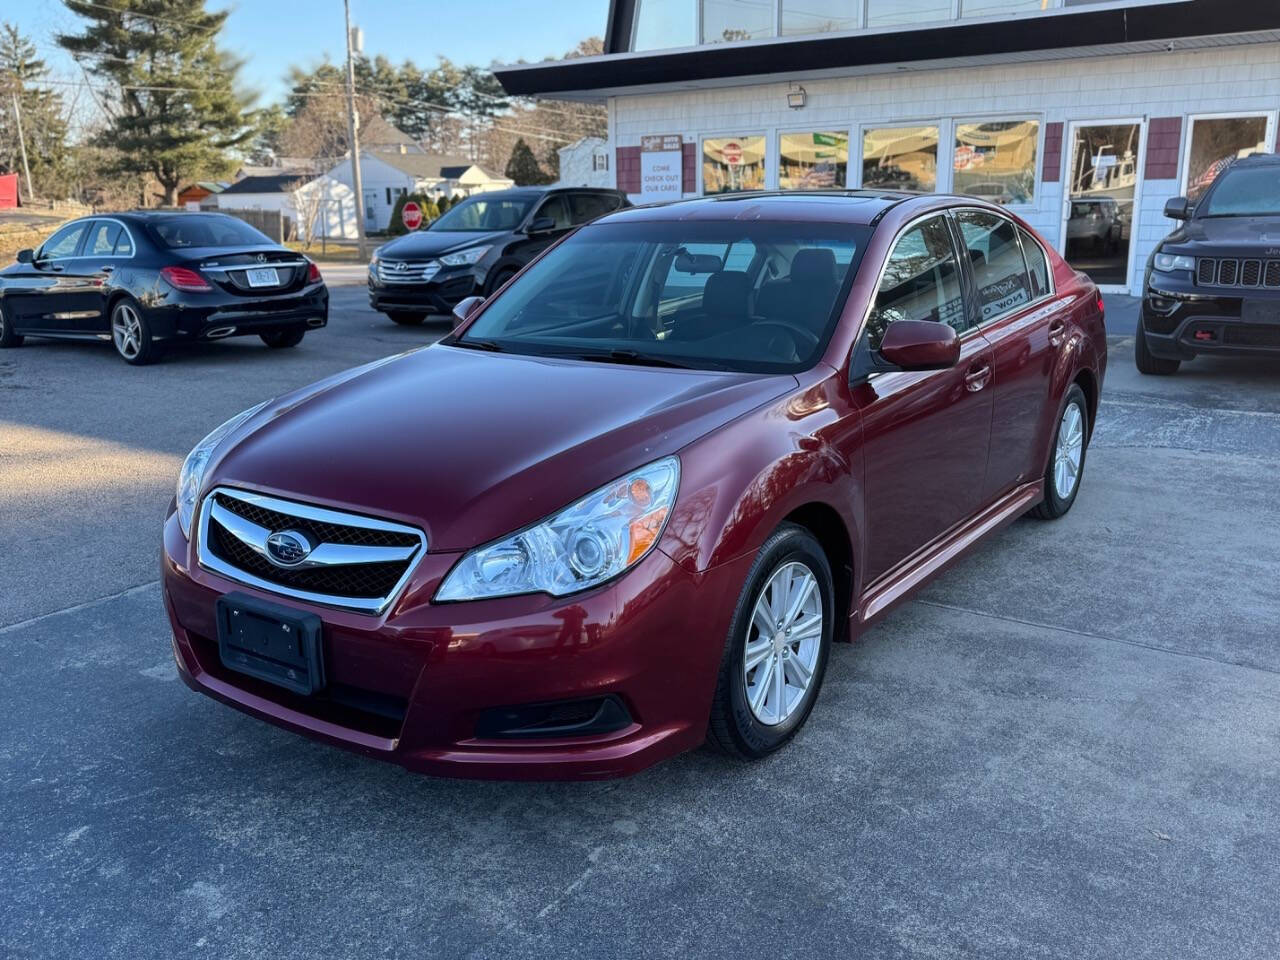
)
(1146, 361)
(776, 653)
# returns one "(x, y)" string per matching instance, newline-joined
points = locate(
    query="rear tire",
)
(1065, 472)
(406, 319)
(131, 334)
(1146, 361)
(784, 622)
(282, 339)
(7, 337)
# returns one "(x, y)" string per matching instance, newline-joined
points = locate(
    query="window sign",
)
(661, 168)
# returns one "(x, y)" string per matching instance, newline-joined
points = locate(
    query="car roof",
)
(541, 190)
(834, 206)
(1257, 160)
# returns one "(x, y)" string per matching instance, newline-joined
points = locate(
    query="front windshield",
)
(1245, 192)
(755, 296)
(483, 214)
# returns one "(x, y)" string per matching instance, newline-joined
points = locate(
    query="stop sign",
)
(411, 216)
(732, 153)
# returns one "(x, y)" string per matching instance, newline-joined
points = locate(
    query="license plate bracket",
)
(263, 277)
(1260, 311)
(269, 642)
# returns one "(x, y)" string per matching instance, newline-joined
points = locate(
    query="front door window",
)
(1103, 176)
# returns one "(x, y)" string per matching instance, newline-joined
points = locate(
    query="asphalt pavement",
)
(1066, 747)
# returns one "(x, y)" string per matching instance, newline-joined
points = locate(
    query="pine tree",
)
(44, 125)
(523, 166)
(175, 109)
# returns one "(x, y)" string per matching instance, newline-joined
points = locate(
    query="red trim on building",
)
(629, 169)
(1052, 152)
(1164, 145)
(689, 168)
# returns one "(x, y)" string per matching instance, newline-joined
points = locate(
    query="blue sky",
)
(271, 34)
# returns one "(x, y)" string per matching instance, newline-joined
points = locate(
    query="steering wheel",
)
(799, 336)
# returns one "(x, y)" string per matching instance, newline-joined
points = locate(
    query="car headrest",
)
(726, 296)
(814, 265)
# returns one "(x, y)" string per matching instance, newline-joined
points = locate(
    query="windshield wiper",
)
(632, 358)
(491, 345)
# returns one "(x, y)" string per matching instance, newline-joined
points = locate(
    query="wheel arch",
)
(829, 529)
(1088, 382)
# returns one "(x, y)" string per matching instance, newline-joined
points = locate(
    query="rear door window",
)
(588, 206)
(557, 209)
(999, 272)
(921, 281)
(102, 239)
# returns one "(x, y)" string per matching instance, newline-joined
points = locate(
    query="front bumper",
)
(439, 295)
(411, 685)
(1182, 320)
(197, 316)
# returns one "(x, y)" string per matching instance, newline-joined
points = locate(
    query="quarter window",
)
(63, 243)
(997, 161)
(1037, 265)
(999, 272)
(921, 281)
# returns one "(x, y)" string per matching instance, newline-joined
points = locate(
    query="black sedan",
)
(145, 280)
(477, 247)
(1213, 285)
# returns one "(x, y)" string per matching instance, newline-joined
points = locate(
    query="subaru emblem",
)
(288, 548)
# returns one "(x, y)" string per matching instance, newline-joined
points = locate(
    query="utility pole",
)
(353, 137)
(22, 145)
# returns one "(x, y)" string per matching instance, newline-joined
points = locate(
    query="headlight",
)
(597, 538)
(464, 258)
(1165, 262)
(192, 473)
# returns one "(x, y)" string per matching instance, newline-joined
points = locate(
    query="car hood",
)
(1228, 235)
(430, 243)
(471, 445)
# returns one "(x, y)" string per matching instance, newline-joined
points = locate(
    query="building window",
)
(890, 13)
(727, 21)
(996, 160)
(599, 161)
(1216, 141)
(1000, 8)
(900, 158)
(813, 161)
(730, 164)
(819, 16)
(662, 24)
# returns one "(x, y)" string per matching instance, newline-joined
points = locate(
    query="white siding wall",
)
(1235, 79)
(376, 178)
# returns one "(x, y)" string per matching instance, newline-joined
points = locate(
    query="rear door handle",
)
(1057, 331)
(977, 377)
(106, 268)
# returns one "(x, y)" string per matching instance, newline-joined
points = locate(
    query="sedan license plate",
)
(270, 642)
(263, 277)
(1260, 311)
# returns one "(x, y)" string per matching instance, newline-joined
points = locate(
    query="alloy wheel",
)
(126, 331)
(1069, 451)
(783, 642)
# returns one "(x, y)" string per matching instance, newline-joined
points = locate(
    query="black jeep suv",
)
(1213, 285)
(477, 247)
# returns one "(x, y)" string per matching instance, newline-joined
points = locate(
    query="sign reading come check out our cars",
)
(411, 216)
(661, 168)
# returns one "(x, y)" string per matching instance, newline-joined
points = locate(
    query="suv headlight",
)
(600, 536)
(464, 258)
(1165, 262)
(191, 476)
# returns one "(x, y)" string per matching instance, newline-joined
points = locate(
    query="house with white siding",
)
(1082, 116)
(385, 175)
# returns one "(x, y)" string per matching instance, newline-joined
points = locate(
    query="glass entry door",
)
(1102, 184)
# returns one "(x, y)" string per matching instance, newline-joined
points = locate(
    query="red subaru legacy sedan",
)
(630, 502)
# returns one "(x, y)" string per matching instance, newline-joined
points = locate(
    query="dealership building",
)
(1081, 117)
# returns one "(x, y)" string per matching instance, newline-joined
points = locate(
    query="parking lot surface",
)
(1066, 747)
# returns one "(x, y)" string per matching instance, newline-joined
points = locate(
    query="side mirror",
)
(1179, 208)
(26, 256)
(466, 308)
(920, 345)
(541, 225)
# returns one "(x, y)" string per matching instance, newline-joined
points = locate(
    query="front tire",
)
(499, 278)
(7, 337)
(1066, 459)
(406, 319)
(131, 334)
(775, 656)
(1146, 361)
(282, 339)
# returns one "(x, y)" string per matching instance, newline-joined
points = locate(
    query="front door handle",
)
(977, 377)
(1057, 331)
(106, 268)
(56, 267)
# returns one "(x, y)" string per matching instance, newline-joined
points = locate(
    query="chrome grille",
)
(357, 562)
(407, 271)
(1231, 272)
